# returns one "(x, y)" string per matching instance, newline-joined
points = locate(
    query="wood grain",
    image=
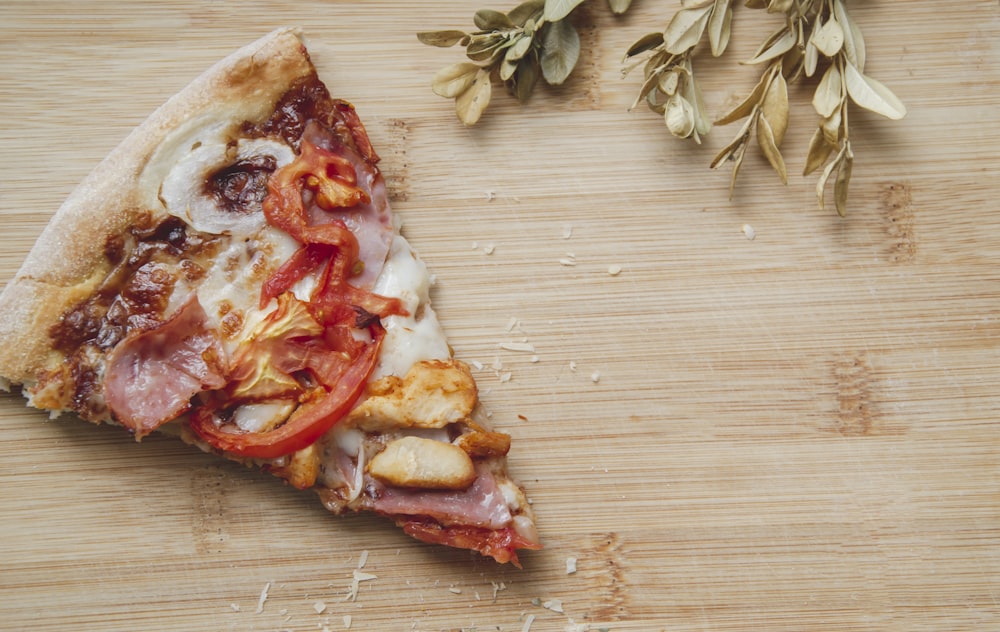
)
(794, 432)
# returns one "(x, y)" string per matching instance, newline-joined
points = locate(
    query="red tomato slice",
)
(307, 424)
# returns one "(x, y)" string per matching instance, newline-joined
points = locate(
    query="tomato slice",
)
(309, 422)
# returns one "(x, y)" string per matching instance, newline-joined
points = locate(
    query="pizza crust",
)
(68, 262)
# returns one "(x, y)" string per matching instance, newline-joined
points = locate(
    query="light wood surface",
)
(793, 432)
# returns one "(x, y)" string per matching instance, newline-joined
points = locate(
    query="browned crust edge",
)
(67, 261)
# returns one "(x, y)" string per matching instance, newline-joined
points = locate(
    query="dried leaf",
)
(729, 151)
(854, 41)
(484, 47)
(821, 182)
(829, 93)
(471, 103)
(720, 26)
(668, 81)
(830, 126)
(560, 51)
(443, 39)
(556, 10)
(829, 38)
(780, 6)
(819, 150)
(507, 68)
(692, 91)
(679, 116)
(810, 59)
(842, 182)
(872, 95)
(619, 6)
(532, 9)
(453, 80)
(774, 106)
(766, 141)
(645, 43)
(685, 28)
(779, 43)
(490, 20)
(747, 105)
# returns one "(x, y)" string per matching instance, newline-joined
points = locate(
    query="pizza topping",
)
(482, 503)
(152, 375)
(423, 463)
(232, 176)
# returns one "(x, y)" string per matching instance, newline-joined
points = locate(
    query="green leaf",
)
(490, 20)
(872, 95)
(560, 51)
(525, 78)
(523, 12)
(556, 10)
(442, 39)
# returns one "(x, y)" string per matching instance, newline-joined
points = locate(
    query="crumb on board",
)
(749, 232)
(614, 270)
(570, 565)
(263, 598)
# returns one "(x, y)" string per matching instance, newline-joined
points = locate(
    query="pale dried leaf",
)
(560, 51)
(679, 116)
(829, 38)
(780, 6)
(472, 102)
(821, 182)
(811, 59)
(819, 150)
(854, 41)
(831, 125)
(451, 81)
(774, 106)
(779, 43)
(746, 106)
(729, 151)
(685, 28)
(556, 10)
(870, 94)
(842, 183)
(668, 81)
(737, 163)
(507, 68)
(767, 144)
(720, 26)
(829, 93)
(619, 6)
(443, 39)
(648, 85)
(484, 47)
(692, 91)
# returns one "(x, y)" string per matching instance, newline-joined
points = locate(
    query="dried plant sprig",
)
(534, 40)
(814, 32)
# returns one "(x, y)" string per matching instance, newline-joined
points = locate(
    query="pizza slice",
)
(232, 274)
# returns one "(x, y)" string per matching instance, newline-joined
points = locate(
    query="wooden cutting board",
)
(791, 431)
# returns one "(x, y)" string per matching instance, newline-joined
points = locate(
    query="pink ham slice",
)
(152, 375)
(481, 505)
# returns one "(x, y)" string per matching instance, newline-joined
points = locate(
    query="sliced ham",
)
(152, 375)
(481, 505)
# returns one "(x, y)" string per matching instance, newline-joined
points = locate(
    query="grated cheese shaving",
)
(263, 598)
(525, 347)
(528, 620)
(570, 565)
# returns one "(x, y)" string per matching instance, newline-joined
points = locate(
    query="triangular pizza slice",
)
(232, 274)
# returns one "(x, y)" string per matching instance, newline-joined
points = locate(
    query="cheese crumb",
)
(570, 565)
(347, 622)
(263, 598)
(455, 590)
(749, 232)
(489, 248)
(525, 347)
(528, 620)
(567, 231)
(319, 607)
(595, 377)
(505, 377)
(555, 605)
(614, 270)
(235, 607)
